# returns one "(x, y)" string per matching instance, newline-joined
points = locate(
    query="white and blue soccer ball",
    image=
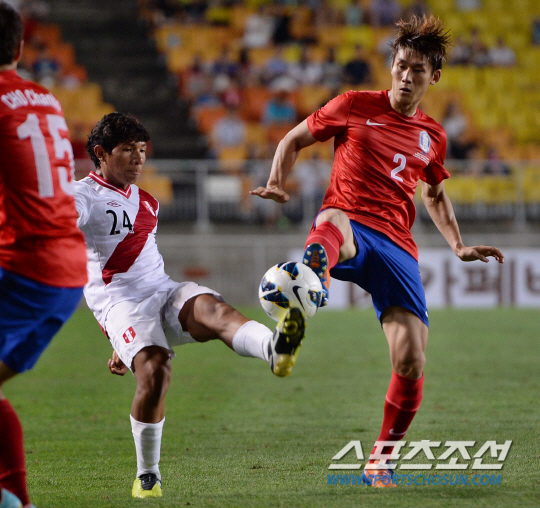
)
(288, 285)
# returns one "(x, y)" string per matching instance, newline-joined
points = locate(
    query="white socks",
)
(252, 340)
(147, 438)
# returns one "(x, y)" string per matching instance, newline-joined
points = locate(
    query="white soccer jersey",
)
(123, 259)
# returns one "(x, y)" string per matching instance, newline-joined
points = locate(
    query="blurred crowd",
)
(46, 59)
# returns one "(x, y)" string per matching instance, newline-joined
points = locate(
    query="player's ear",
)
(99, 152)
(436, 77)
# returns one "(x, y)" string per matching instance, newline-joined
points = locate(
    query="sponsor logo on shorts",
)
(129, 335)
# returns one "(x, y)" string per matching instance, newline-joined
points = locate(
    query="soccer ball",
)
(287, 285)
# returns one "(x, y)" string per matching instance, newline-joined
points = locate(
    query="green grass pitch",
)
(236, 436)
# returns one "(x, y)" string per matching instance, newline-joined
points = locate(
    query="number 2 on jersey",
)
(402, 161)
(30, 129)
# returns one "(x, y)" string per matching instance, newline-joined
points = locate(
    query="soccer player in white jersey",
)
(143, 312)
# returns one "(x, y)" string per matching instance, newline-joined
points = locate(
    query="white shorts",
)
(134, 325)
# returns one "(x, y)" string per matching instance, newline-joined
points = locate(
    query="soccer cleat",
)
(147, 485)
(315, 257)
(285, 344)
(378, 475)
(9, 500)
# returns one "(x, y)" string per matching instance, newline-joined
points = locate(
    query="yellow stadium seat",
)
(363, 35)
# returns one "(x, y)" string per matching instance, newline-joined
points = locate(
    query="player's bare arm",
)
(116, 366)
(286, 154)
(441, 211)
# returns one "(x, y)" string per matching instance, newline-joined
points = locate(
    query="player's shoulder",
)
(430, 124)
(364, 98)
(19, 92)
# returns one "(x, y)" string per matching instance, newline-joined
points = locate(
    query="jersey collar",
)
(99, 179)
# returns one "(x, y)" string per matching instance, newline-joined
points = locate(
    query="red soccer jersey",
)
(39, 237)
(379, 157)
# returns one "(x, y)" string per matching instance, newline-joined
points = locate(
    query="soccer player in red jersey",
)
(384, 144)
(42, 252)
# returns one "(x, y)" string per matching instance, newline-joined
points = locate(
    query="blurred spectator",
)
(193, 79)
(279, 110)
(494, 165)
(468, 5)
(37, 10)
(354, 13)
(417, 8)
(455, 125)
(204, 94)
(384, 12)
(306, 71)
(275, 66)
(226, 64)
(358, 71)
(230, 93)
(282, 29)
(459, 145)
(385, 48)
(249, 72)
(259, 29)
(479, 51)
(460, 53)
(46, 68)
(312, 176)
(332, 71)
(327, 15)
(229, 130)
(194, 11)
(502, 55)
(536, 32)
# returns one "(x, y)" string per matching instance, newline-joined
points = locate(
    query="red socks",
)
(403, 399)
(12, 466)
(331, 238)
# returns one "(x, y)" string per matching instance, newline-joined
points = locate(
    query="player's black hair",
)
(424, 35)
(112, 130)
(11, 33)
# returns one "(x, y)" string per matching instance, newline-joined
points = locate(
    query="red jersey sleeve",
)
(331, 120)
(434, 173)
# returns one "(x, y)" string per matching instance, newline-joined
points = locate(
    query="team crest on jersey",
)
(425, 141)
(129, 335)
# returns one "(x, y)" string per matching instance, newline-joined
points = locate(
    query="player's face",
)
(411, 76)
(124, 164)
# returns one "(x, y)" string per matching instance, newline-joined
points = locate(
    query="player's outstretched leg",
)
(285, 344)
(9, 500)
(315, 257)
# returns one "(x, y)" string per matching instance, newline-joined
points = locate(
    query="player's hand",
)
(116, 366)
(480, 252)
(278, 195)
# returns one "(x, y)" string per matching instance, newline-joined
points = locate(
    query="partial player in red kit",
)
(42, 252)
(384, 145)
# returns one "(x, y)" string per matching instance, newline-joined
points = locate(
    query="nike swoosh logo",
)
(392, 433)
(369, 122)
(295, 291)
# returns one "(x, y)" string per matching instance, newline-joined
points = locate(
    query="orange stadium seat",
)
(207, 116)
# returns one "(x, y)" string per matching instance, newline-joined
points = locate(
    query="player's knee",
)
(410, 365)
(153, 375)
